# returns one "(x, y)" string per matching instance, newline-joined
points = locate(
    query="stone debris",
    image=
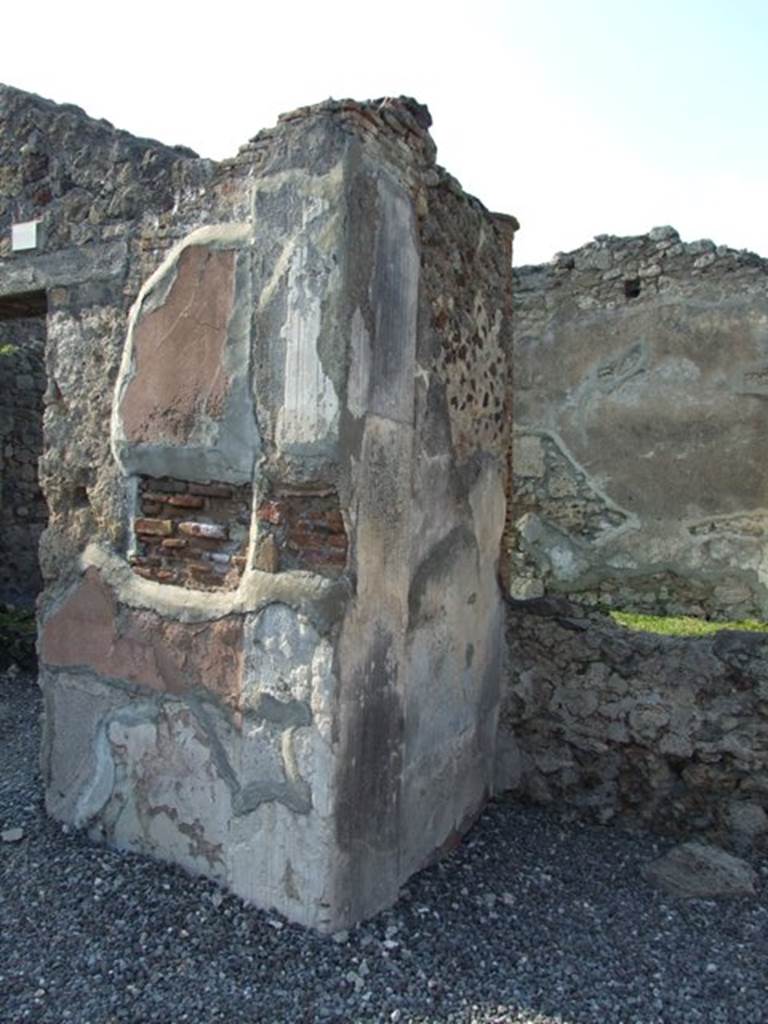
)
(697, 871)
(593, 944)
(12, 835)
(748, 819)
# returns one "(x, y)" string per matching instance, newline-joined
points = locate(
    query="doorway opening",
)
(23, 511)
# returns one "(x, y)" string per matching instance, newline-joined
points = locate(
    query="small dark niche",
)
(80, 498)
(23, 305)
(631, 287)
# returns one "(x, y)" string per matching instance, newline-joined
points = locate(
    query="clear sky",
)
(581, 117)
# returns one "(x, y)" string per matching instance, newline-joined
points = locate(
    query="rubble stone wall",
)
(664, 733)
(23, 511)
(641, 417)
(84, 180)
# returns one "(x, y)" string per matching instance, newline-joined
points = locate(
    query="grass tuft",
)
(683, 625)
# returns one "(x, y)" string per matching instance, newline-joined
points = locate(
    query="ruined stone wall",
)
(23, 511)
(275, 454)
(640, 730)
(641, 379)
(102, 199)
(83, 179)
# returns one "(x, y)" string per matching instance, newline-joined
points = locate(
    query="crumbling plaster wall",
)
(315, 727)
(89, 186)
(641, 417)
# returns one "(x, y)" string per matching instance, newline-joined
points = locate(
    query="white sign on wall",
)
(24, 236)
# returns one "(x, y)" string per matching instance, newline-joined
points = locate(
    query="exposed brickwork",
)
(400, 126)
(192, 535)
(301, 528)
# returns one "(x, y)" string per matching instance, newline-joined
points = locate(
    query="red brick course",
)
(196, 535)
(302, 528)
(192, 535)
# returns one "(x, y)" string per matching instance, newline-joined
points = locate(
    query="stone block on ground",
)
(698, 871)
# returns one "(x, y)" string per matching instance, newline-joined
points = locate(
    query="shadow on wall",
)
(22, 387)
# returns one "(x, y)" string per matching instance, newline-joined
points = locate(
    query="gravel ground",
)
(531, 920)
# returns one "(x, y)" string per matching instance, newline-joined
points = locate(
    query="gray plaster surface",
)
(640, 425)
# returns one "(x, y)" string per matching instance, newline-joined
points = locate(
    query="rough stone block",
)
(697, 871)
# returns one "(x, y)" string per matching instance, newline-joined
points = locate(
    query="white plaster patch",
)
(98, 788)
(310, 406)
(314, 761)
(169, 796)
(24, 236)
(550, 547)
(286, 658)
(286, 861)
(564, 564)
(260, 754)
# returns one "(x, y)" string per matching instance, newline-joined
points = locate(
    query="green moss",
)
(683, 625)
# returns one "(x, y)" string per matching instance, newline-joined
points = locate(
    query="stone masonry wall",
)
(83, 179)
(275, 460)
(22, 507)
(646, 731)
(641, 379)
(103, 200)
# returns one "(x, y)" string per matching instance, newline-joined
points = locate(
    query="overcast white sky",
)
(581, 117)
